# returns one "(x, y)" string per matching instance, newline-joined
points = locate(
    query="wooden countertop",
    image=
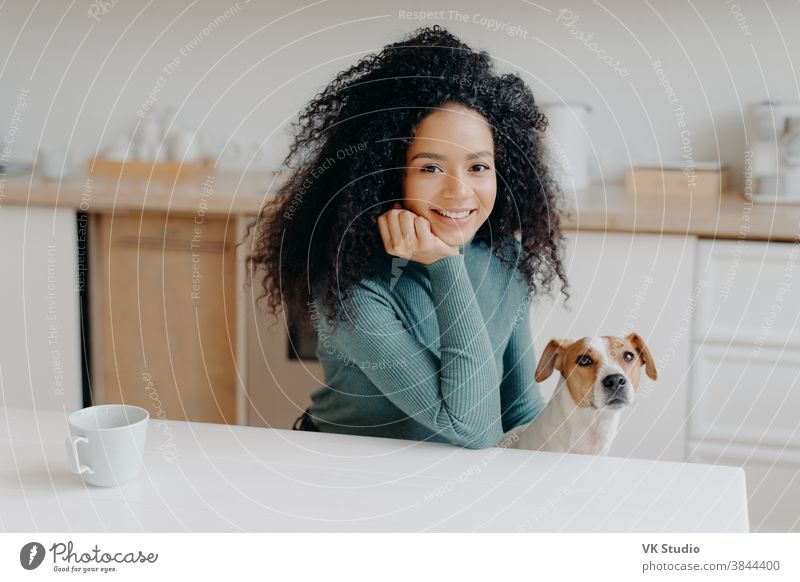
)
(730, 216)
(598, 208)
(224, 193)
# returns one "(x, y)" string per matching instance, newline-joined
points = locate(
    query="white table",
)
(206, 477)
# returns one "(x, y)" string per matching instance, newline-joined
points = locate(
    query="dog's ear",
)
(551, 358)
(644, 353)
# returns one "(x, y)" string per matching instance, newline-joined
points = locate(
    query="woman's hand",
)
(409, 236)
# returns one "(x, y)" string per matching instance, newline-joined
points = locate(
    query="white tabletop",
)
(207, 477)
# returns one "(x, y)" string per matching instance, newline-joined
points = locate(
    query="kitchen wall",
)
(77, 73)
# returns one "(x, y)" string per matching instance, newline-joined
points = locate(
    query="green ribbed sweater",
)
(439, 352)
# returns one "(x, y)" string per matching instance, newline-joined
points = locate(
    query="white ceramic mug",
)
(54, 162)
(106, 443)
(183, 147)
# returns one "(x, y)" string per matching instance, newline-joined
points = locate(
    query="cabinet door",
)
(746, 377)
(622, 283)
(279, 382)
(743, 415)
(164, 317)
(39, 318)
(753, 294)
(747, 400)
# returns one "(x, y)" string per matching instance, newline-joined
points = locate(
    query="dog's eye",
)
(628, 356)
(584, 360)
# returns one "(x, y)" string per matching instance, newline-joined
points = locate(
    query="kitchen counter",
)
(598, 208)
(611, 209)
(210, 477)
(223, 193)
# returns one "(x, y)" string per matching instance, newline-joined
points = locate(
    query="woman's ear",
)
(551, 359)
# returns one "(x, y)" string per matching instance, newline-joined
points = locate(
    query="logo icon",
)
(31, 555)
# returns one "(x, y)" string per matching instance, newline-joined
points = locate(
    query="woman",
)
(414, 176)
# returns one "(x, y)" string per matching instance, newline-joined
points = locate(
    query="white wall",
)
(87, 77)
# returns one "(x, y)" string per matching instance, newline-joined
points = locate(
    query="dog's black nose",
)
(614, 383)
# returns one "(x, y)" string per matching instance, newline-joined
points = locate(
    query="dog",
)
(599, 376)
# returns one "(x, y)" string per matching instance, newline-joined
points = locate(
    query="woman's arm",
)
(456, 395)
(520, 397)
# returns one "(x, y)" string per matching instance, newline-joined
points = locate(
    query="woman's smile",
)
(450, 178)
(454, 216)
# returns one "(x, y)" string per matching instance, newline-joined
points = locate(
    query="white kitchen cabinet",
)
(753, 295)
(746, 374)
(39, 309)
(746, 399)
(621, 283)
(279, 385)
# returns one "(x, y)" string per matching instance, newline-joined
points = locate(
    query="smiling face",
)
(450, 177)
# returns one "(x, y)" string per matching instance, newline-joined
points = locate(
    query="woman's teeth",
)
(456, 215)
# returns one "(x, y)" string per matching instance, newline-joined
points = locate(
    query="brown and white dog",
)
(599, 376)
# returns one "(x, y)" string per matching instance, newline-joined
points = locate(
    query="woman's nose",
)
(455, 187)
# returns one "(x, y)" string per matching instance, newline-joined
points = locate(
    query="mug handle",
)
(72, 455)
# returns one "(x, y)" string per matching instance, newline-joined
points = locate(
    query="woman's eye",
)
(584, 360)
(431, 169)
(479, 168)
(628, 356)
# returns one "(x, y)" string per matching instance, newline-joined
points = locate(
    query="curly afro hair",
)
(318, 237)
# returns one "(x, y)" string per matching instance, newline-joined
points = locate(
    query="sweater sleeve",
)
(521, 399)
(456, 395)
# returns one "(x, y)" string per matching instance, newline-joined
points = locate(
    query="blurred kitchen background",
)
(140, 140)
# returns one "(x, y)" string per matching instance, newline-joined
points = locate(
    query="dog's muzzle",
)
(616, 387)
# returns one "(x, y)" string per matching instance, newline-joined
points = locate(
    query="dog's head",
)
(601, 371)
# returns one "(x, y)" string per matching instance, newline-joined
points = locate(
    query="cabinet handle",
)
(169, 244)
